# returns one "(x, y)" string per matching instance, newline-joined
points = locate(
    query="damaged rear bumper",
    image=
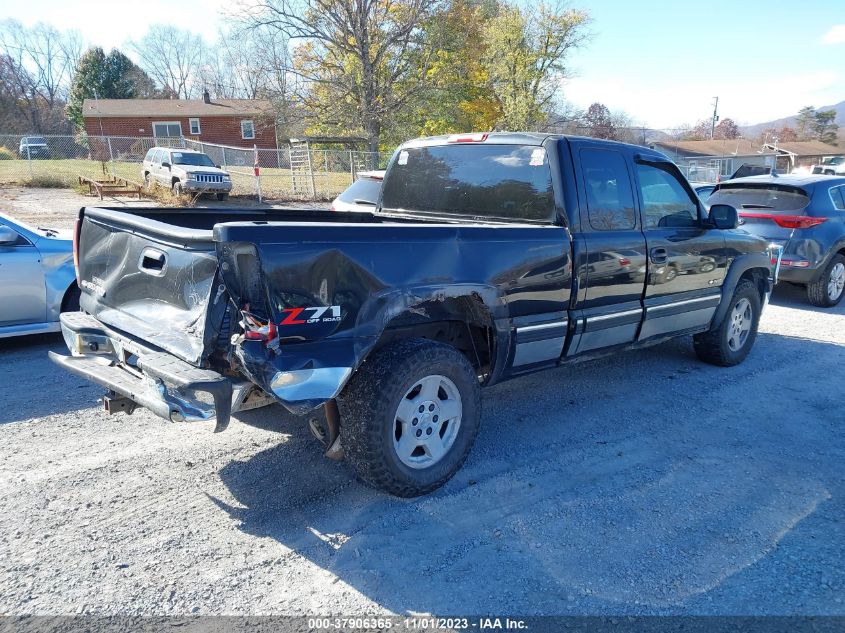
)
(158, 381)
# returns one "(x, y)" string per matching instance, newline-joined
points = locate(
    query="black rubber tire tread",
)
(817, 289)
(222, 196)
(712, 346)
(368, 405)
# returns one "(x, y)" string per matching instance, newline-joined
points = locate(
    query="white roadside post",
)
(257, 174)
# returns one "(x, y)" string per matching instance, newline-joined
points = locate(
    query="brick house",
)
(235, 122)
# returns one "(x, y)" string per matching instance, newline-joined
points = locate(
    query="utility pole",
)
(715, 117)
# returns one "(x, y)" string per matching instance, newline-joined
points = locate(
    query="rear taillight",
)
(332, 208)
(77, 227)
(786, 221)
(624, 261)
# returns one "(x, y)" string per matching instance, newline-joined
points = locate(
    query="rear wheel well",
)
(461, 322)
(70, 300)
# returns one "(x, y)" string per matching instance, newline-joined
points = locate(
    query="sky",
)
(660, 61)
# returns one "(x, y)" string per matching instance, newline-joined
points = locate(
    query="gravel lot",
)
(645, 483)
(58, 208)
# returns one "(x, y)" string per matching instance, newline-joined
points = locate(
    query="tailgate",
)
(149, 279)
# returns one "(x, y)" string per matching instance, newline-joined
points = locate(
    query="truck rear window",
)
(509, 182)
(769, 198)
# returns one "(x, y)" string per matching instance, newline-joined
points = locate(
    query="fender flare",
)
(739, 266)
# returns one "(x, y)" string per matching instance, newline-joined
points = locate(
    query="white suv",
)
(185, 170)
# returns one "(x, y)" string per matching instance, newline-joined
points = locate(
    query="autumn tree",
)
(598, 122)
(528, 48)
(456, 94)
(360, 61)
(726, 129)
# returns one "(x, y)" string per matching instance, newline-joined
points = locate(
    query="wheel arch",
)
(463, 321)
(754, 267)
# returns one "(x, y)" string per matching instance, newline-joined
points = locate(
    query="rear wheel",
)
(730, 342)
(827, 290)
(409, 416)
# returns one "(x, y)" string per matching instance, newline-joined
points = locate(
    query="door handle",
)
(659, 255)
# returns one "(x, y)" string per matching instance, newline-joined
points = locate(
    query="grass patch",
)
(167, 198)
(45, 182)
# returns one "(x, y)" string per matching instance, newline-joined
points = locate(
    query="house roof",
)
(807, 148)
(721, 147)
(174, 107)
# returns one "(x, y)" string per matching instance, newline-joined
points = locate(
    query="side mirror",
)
(7, 236)
(166, 164)
(723, 216)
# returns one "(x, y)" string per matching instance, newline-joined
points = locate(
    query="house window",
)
(194, 124)
(247, 130)
(167, 129)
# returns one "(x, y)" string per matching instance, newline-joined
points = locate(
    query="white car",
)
(361, 195)
(185, 170)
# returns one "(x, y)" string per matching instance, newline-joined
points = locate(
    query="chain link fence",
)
(294, 172)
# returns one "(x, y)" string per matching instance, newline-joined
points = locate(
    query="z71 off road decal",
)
(300, 316)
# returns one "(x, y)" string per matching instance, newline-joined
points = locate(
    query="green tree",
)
(528, 48)
(825, 127)
(805, 123)
(112, 76)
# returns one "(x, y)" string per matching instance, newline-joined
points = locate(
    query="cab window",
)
(610, 201)
(666, 202)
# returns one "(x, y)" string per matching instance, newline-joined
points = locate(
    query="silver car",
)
(361, 195)
(37, 278)
(185, 170)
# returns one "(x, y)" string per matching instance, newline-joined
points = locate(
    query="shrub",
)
(6, 153)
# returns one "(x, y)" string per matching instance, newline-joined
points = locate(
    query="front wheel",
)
(409, 416)
(827, 290)
(177, 188)
(730, 342)
(222, 196)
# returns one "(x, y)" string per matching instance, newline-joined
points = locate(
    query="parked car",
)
(361, 195)
(33, 147)
(185, 170)
(746, 169)
(474, 268)
(37, 279)
(804, 214)
(703, 189)
(831, 167)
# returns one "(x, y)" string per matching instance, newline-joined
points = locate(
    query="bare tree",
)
(38, 65)
(174, 58)
(359, 60)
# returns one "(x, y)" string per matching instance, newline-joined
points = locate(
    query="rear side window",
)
(768, 198)
(838, 196)
(610, 201)
(508, 182)
(364, 190)
(666, 202)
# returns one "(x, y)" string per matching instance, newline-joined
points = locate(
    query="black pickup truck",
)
(487, 257)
